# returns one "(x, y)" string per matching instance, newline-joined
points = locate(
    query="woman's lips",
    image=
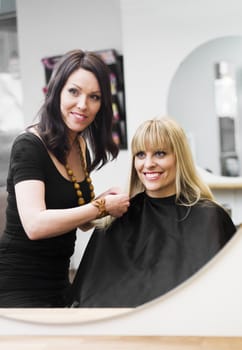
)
(79, 116)
(153, 175)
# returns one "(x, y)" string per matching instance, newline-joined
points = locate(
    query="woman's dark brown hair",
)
(52, 128)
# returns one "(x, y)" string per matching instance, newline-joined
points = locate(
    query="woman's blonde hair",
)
(155, 134)
(163, 132)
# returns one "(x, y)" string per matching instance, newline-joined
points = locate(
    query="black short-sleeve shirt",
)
(38, 269)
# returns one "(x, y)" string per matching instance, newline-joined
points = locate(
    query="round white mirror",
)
(192, 101)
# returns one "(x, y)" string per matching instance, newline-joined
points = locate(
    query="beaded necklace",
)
(76, 185)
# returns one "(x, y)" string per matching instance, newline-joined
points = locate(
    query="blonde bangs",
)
(150, 135)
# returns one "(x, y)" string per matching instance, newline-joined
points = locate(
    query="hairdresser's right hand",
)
(117, 204)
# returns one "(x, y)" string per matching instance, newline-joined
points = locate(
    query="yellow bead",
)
(81, 201)
(76, 186)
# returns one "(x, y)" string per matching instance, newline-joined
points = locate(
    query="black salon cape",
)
(151, 249)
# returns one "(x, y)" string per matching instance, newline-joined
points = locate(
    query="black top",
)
(151, 249)
(34, 273)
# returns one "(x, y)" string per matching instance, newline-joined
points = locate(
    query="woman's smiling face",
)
(156, 169)
(80, 100)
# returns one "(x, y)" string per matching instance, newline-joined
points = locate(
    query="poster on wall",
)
(114, 61)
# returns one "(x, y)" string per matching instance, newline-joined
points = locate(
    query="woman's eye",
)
(160, 154)
(96, 97)
(73, 91)
(140, 155)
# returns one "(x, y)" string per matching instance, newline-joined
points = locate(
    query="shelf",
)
(218, 182)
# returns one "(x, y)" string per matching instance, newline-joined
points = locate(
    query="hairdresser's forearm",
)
(51, 223)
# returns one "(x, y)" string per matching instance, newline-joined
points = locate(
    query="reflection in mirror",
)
(138, 256)
(214, 127)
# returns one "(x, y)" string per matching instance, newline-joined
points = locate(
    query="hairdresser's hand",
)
(117, 204)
